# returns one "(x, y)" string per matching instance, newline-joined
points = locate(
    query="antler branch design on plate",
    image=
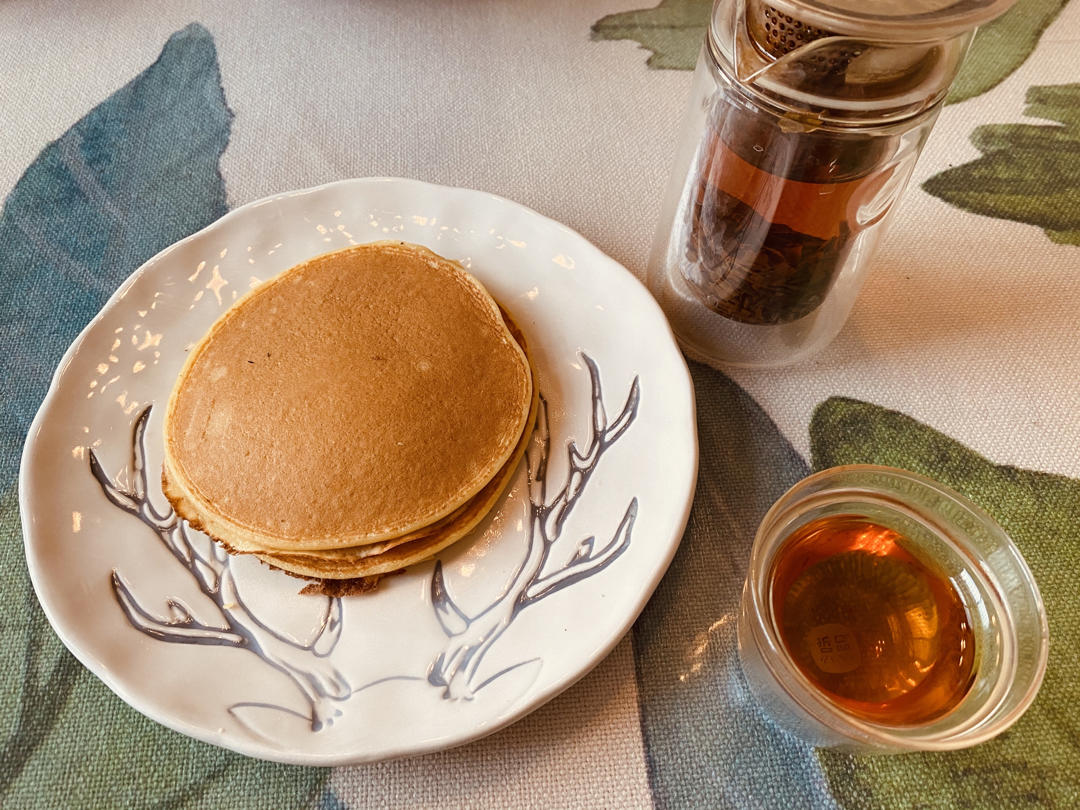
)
(306, 663)
(537, 577)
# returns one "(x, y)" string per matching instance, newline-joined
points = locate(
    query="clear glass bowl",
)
(960, 540)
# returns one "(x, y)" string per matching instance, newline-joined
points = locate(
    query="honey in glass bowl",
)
(883, 612)
(871, 624)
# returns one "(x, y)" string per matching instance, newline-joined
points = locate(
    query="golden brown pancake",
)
(357, 398)
(358, 570)
(391, 555)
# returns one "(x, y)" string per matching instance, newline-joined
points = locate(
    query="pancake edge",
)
(392, 560)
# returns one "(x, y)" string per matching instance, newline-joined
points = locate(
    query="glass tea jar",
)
(805, 121)
(885, 613)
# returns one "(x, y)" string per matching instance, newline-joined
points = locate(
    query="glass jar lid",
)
(899, 20)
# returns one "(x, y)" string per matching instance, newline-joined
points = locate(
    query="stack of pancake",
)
(353, 416)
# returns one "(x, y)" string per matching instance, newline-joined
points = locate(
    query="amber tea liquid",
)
(885, 636)
(773, 212)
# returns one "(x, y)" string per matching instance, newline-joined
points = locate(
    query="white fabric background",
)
(966, 323)
(510, 98)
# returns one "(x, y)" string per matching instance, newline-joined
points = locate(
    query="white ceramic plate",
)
(225, 650)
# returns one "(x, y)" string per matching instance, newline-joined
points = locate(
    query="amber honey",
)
(876, 628)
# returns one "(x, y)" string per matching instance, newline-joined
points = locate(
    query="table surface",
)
(960, 361)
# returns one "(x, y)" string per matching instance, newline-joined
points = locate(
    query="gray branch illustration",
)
(306, 663)
(540, 574)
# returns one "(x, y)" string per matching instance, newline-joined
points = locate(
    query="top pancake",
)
(356, 397)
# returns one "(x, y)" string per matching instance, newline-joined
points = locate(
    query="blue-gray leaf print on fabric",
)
(707, 743)
(139, 172)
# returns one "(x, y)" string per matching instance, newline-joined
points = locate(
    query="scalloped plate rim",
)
(100, 670)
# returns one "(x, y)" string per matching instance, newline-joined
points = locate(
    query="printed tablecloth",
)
(127, 127)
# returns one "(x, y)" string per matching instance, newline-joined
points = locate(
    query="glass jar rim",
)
(895, 20)
(1010, 695)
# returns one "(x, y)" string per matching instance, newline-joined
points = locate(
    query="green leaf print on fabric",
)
(1001, 46)
(1028, 172)
(1035, 762)
(46, 672)
(135, 174)
(673, 31)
